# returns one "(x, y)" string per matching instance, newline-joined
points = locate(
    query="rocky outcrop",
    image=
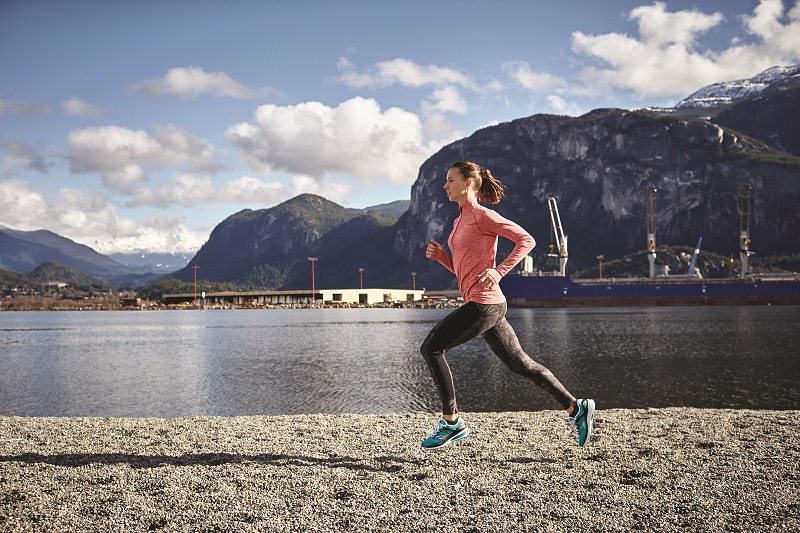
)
(598, 166)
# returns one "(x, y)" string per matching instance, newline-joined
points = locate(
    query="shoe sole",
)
(589, 421)
(458, 436)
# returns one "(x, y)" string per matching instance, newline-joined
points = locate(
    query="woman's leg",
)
(463, 324)
(504, 343)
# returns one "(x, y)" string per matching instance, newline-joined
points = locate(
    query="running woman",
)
(473, 243)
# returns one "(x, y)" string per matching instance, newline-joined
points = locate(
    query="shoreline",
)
(670, 469)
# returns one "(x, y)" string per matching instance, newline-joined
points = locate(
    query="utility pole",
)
(195, 267)
(313, 294)
(360, 278)
(413, 281)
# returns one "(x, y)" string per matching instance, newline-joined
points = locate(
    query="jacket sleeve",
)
(444, 258)
(523, 242)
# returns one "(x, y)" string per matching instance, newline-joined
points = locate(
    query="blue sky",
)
(142, 125)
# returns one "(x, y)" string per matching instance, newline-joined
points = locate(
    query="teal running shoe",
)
(444, 433)
(583, 420)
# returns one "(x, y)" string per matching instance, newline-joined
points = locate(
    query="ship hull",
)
(561, 291)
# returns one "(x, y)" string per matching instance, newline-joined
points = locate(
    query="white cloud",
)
(332, 190)
(562, 107)
(446, 99)
(531, 80)
(78, 107)
(403, 72)
(156, 234)
(119, 155)
(666, 59)
(191, 82)
(20, 203)
(248, 190)
(313, 140)
(438, 126)
(189, 190)
(92, 220)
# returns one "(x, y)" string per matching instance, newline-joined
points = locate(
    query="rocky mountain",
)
(598, 166)
(771, 117)
(50, 273)
(22, 251)
(270, 248)
(764, 107)
(393, 209)
(721, 95)
(707, 102)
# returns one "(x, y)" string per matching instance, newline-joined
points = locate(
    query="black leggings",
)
(466, 323)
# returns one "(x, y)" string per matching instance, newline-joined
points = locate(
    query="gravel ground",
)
(659, 469)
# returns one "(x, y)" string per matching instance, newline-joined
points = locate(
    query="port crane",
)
(744, 226)
(560, 238)
(694, 260)
(651, 229)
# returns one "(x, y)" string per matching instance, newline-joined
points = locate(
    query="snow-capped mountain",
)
(153, 261)
(726, 93)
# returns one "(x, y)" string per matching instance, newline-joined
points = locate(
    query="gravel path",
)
(660, 469)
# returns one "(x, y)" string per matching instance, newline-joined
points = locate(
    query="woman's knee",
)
(428, 352)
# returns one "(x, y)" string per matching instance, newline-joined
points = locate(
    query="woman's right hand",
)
(433, 249)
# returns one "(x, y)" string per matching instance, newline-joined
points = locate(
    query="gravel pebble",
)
(657, 469)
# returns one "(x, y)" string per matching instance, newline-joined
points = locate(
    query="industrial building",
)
(299, 297)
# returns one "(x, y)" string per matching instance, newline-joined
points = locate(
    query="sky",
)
(140, 126)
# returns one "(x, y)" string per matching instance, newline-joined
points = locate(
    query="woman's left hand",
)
(486, 279)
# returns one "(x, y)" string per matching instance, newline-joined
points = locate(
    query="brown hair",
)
(488, 188)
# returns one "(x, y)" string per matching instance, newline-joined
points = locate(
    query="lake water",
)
(275, 362)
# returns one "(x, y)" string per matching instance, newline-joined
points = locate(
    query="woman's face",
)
(456, 186)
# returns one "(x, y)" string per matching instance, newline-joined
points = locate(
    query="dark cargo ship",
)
(537, 289)
(560, 291)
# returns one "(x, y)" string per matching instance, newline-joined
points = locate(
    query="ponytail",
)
(489, 190)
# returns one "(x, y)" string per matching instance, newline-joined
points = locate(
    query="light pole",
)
(313, 296)
(361, 278)
(413, 281)
(600, 258)
(195, 267)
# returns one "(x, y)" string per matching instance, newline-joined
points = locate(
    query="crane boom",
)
(744, 226)
(694, 258)
(560, 238)
(651, 229)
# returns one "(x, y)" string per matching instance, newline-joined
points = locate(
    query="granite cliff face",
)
(598, 166)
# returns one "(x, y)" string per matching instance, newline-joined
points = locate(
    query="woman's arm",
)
(492, 222)
(437, 252)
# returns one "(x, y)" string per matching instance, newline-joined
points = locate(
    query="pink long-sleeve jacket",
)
(473, 243)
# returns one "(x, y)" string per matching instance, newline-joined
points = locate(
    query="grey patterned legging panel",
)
(466, 323)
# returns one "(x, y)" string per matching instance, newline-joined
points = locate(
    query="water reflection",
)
(367, 361)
